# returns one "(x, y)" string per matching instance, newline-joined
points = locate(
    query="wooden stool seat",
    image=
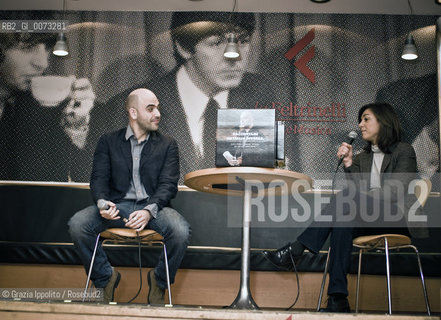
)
(374, 241)
(122, 234)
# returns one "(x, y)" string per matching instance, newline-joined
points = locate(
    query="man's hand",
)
(76, 115)
(139, 219)
(235, 162)
(111, 213)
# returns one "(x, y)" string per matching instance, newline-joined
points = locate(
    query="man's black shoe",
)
(337, 303)
(280, 257)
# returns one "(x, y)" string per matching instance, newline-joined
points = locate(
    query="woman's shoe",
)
(280, 257)
(337, 304)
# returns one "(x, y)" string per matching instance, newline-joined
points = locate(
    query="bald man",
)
(135, 173)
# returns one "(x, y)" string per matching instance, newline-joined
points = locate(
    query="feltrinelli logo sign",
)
(302, 61)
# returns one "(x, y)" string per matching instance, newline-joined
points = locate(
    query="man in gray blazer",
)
(135, 171)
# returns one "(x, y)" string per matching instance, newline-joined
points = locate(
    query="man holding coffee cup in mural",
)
(44, 120)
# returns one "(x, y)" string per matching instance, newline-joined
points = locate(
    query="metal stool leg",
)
(357, 293)
(423, 283)
(389, 299)
(170, 304)
(323, 281)
(90, 267)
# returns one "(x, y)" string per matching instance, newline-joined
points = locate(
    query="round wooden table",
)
(242, 181)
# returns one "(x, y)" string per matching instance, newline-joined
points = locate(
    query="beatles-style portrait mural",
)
(315, 70)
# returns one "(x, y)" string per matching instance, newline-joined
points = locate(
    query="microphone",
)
(352, 136)
(102, 204)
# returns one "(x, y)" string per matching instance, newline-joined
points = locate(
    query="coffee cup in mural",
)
(51, 90)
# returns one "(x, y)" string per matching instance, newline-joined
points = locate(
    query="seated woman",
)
(377, 179)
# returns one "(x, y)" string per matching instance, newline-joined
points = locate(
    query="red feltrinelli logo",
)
(304, 59)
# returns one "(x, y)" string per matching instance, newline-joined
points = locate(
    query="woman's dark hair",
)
(390, 127)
